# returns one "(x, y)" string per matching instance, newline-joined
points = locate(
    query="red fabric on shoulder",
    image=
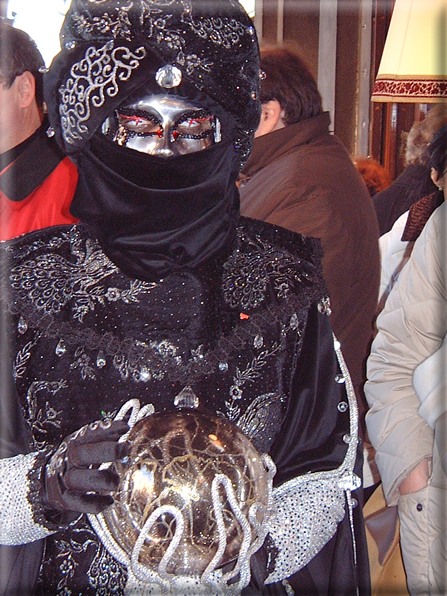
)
(48, 205)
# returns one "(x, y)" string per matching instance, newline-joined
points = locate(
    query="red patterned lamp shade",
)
(413, 67)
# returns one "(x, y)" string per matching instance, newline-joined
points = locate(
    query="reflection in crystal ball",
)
(174, 458)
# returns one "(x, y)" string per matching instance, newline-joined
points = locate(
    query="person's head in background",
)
(373, 173)
(422, 133)
(437, 162)
(21, 87)
(289, 92)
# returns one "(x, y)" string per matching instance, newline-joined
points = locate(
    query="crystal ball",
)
(173, 460)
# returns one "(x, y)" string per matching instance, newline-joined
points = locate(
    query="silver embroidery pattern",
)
(41, 419)
(21, 360)
(247, 275)
(93, 79)
(249, 374)
(220, 31)
(256, 418)
(83, 364)
(50, 281)
(149, 361)
(116, 24)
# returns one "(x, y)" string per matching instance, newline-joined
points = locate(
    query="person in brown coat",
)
(301, 177)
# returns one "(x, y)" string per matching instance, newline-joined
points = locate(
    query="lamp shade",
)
(413, 67)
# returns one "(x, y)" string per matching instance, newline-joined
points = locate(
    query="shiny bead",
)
(145, 375)
(419, 507)
(294, 321)
(337, 345)
(354, 503)
(324, 306)
(223, 366)
(340, 379)
(22, 326)
(186, 398)
(342, 406)
(101, 359)
(168, 76)
(346, 438)
(60, 348)
(258, 341)
(70, 45)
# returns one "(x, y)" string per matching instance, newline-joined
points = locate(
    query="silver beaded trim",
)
(17, 525)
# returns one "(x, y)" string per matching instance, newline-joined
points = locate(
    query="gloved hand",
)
(72, 481)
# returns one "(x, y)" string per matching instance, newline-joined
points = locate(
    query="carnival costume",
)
(164, 299)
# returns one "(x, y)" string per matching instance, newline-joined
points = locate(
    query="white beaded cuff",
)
(17, 523)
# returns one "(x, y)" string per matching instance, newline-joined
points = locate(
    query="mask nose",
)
(163, 145)
(163, 152)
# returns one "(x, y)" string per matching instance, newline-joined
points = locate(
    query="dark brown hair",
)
(290, 82)
(437, 151)
(18, 54)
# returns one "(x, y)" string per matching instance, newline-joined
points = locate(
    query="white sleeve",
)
(392, 253)
(17, 524)
(410, 328)
(430, 384)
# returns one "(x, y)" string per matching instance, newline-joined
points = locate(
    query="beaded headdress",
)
(110, 48)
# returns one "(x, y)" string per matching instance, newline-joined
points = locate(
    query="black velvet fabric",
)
(153, 215)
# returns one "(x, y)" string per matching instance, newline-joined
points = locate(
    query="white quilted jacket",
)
(411, 328)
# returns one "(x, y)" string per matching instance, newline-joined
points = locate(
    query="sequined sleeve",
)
(308, 508)
(306, 513)
(17, 517)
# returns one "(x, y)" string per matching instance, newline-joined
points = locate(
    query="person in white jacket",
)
(406, 393)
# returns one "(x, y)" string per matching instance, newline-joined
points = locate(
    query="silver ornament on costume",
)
(168, 76)
(194, 496)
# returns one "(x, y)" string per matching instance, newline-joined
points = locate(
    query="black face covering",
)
(156, 215)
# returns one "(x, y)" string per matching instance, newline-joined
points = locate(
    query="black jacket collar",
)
(33, 161)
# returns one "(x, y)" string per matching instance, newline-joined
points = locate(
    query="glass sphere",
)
(174, 458)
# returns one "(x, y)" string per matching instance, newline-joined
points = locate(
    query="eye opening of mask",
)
(138, 122)
(195, 124)
(192, 124)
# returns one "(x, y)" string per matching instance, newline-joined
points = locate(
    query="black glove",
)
(72, 481)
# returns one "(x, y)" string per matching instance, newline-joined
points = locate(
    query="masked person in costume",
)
(163, 298)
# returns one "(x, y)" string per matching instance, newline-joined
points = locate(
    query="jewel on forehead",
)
(168, 76)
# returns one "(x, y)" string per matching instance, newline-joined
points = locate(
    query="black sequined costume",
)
(248, 335)
(163, 294)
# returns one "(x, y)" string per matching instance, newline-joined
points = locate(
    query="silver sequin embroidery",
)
(94, 78)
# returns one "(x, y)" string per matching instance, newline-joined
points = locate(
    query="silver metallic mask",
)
(163, 125)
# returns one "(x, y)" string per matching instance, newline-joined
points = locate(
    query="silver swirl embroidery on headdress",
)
(93, 78)
(220, 31)
(117, 25)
